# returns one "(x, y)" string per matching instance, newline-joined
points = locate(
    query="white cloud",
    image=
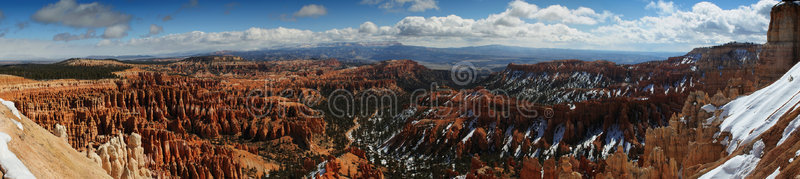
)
(70, 37)
(368, 27)
(451, 25)
(155, 29)
(556, 13)
(91, 15)
(705, 24)
(250, 39)
(116, 31)
(664, 8)
(311, 10)
(422, 5)
(395, 5)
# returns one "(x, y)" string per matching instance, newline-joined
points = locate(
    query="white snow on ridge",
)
(320, 170)
(12, 166)
(739, 166)
(748, 117)
(790, 128)
(469, 135)
(614, 138)
(14, 111)
(775, 173)
(709, 108)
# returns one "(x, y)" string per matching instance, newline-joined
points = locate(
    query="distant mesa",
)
(92, 62)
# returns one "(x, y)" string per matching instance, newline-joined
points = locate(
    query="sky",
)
(57, 29)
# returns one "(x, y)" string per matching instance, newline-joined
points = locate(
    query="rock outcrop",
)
(121, 158)
(352, 164)
(782, 49)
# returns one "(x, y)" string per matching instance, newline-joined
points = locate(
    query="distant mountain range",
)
(121, 57)
(490, 56)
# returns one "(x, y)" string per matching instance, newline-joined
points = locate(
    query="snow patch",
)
(469, 135)
(709, 108)
(12, 166)
(739, 166)
(789, 130)
(775, 173)
(587, 145)
(614, 138)
(14, 111)
(557, 135)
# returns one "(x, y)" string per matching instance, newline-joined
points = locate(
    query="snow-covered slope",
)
(747, 118)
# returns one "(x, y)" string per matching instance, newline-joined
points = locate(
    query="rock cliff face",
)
(687, 143)
(723, 137)
(754, 131)
(782, 50)
(728, 68)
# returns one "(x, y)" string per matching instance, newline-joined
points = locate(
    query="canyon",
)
(726, 111)
(226, 117)
(204, 125)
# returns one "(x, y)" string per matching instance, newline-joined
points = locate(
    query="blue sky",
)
(32, 29)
